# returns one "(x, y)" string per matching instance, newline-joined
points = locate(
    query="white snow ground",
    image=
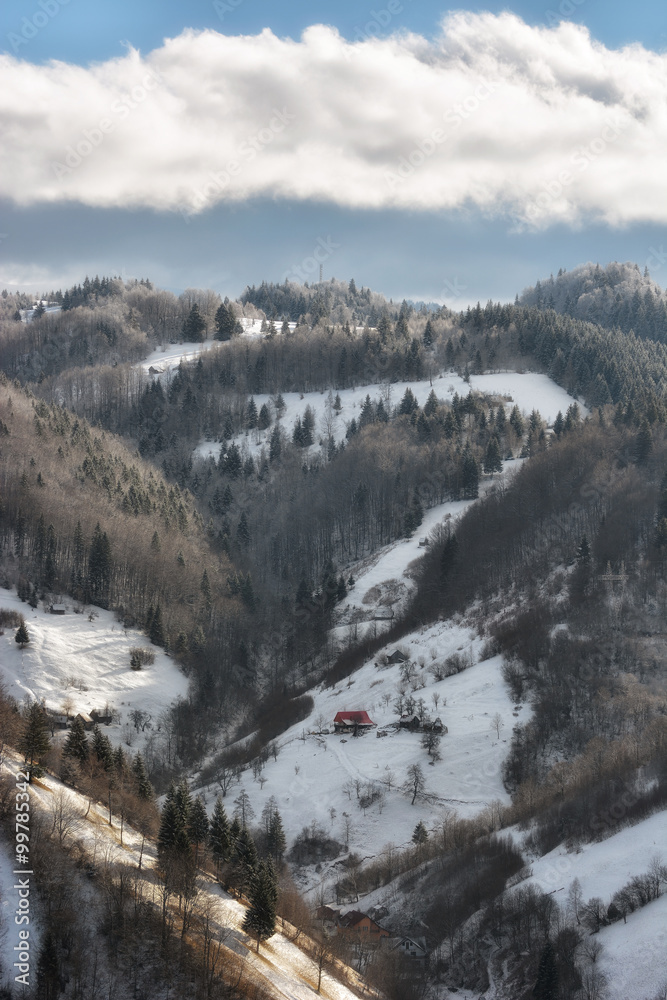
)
(85, 661)
(528, 391)
(311, 771)
(635, 954)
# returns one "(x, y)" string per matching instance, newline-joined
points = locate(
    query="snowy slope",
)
(528, 391)
(311, 771)
(85, 661)
(635, 954)
(281, 965)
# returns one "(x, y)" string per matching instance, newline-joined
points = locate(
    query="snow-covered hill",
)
(86, 663)
(528, 391)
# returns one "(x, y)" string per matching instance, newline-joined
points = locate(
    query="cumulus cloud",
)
(544, 125)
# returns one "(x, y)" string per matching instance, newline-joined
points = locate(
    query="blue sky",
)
(463, 221)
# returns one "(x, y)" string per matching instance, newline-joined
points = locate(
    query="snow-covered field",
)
(313, 777)
(86, 662)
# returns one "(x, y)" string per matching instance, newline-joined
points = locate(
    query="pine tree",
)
(492, 460)
(183, 801)
(194, 326)
(34, 742)
(219, 835)
(469, 475)
(276, 841)
(251, 419)
(420, 833)
(428, 334)
(517, 422)
(264, 417)
(275, 444)
(225, 322)
(99, 568)
(546, 985)
(559, 424)
(143, 785)
(197, 825)
(22, 636)
(260, 920)
(103, 749)
(156, 632)
(76, 744)
(245, 859)
(172, 836)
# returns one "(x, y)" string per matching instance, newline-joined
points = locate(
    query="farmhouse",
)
(88, 723)
(350, 722)
(410, 721)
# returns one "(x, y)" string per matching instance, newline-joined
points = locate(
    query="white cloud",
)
(544, 125)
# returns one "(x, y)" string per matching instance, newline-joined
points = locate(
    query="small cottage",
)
(412, 948)
(88, 723)
(397, 657)
(350, 722)
(101, 716)
(58, 609)
(410, 721)
(355, 923)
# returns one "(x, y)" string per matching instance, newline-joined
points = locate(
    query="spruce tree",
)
(143, 785)
(492, 460)
(34, 742)
(99, 568)
(546, 985)
(251, 418)
(420, 833)
(428, 334)
(219, 835)
(157, 633)
(260, 920)
(245, 860)
(194, 326)
(469, 475)
(76, 744)
(197, 825)
(276, 841)
(103, 749)
(22, 637)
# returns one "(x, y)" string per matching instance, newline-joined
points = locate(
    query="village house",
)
(410, 721)
(411, 948)
(356, 924)
(58, 609)
(352, 722)
(101, 716)
(88, 723)
(397, 657)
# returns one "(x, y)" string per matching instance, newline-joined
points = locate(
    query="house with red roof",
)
(352, 722)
